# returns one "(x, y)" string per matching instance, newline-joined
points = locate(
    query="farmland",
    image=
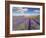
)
(26, 22)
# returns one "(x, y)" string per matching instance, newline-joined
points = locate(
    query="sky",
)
(25, 11)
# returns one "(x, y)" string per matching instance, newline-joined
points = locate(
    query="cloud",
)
(25, 14)
(25, 9)
(36, 11)
(21, 10)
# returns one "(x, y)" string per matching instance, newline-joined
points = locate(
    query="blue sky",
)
(25, 10)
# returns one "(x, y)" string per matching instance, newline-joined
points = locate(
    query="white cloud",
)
(36, 11)
(21, 10)
(25, 9)
(25, 14)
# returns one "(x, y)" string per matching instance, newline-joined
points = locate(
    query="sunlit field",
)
(26, 23)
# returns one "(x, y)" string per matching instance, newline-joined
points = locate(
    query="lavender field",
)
(26, 23)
